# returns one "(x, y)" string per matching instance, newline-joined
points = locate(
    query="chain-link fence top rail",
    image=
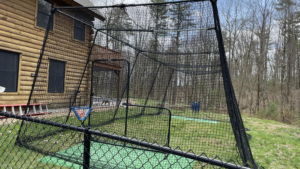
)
(176, 60)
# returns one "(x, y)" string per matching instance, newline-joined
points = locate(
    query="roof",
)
(89, 3)
(84, 2)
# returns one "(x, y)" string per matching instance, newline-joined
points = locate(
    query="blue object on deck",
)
(195, 106)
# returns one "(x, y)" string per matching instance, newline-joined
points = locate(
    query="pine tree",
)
(159, 16)
(180, 16)
(117, 18)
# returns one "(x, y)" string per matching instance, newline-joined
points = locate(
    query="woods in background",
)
(262, 43)
(262, 40)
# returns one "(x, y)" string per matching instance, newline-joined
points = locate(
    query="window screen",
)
(43, 14)
(56, 76)
(9, 69)
(79, 28)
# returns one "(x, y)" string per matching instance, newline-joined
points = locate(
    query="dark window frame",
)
(43, 13)
(60, 89)
(16, 72)
(79, 26)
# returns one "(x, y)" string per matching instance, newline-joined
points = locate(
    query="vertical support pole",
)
(86, 65)
(142, 112)
(169, 128)
(165, 96)
(118, 105)
(128, 87)
(119, 86)
(87, 149)
(91, 94)
(50, 21)
(232, 106)
(127, 99)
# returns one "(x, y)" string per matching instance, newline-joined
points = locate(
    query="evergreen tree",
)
(117, 18)
(180, 16)
(159, 16)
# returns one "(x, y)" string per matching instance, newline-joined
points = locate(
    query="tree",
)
(159, 17)
(288, 19)
(263, 22)
(180, 15)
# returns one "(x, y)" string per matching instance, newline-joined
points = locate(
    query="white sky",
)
(113, 2)
(129, 1)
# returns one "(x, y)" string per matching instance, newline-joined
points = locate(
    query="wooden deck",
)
(100, 52)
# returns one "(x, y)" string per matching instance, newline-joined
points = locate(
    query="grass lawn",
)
(274, 145)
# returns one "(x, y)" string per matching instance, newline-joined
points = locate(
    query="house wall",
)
(19, 33)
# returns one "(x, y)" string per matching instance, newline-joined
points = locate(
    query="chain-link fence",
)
(71, 146)
(160, 91)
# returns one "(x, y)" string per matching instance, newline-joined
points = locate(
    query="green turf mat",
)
(194, 119)
(112, 156)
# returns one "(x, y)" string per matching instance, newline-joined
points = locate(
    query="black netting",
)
(155, 73)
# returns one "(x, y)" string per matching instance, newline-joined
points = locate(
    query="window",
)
(56, 76)
(43, 14)
(79, 28)
(9, 69)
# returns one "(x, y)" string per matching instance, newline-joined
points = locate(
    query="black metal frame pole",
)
(142, 51)
(87, 149)
(83, 73)
(154, 146)
(143, 110)
(40, 59)
(228, 94)
(91, 94)
(234, 113)
(128, 84)
(50, 21)
(115, 113)
(127, 30)
(227, 81)
(165, 96)
(131, 5)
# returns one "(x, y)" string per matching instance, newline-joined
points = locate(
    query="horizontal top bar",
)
(128, 5)
(170, 113)
(158, 30)
(178, 30)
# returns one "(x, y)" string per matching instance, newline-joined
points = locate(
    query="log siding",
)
(19, 33)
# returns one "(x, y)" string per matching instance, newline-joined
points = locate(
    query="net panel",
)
(175, 59)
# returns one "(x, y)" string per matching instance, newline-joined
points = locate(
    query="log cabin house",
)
(22, 30)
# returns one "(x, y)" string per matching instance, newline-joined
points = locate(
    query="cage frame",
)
(230, 95)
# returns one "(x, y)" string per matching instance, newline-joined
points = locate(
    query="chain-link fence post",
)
(87, 149)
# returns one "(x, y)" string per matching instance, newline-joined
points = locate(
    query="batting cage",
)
(133, 86)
